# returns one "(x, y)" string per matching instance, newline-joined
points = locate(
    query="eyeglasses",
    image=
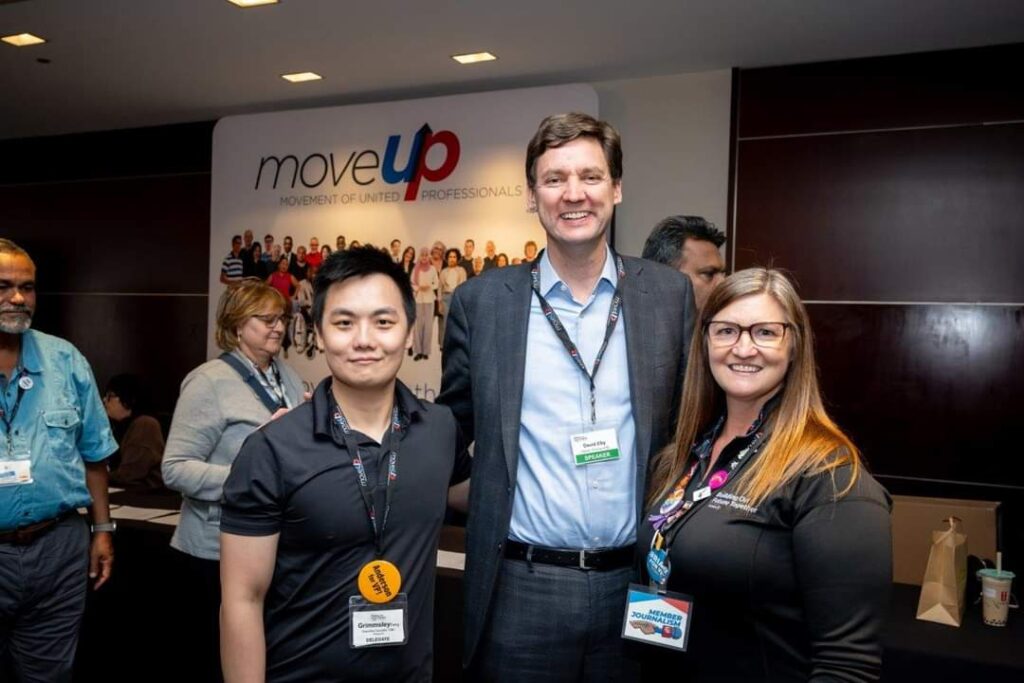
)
(722, 333)
(272, 320)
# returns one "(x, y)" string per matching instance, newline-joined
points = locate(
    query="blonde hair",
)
(239, 302)
(804, 439)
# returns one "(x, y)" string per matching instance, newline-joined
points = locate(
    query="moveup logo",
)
(364, 167)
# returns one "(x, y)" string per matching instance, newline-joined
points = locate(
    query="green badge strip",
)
(597, 456)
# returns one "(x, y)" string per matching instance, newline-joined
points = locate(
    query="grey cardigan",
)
(216, 411)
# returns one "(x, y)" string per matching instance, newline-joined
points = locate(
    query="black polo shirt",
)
(295, 478)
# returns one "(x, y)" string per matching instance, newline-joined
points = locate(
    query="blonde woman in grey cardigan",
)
(221, 403)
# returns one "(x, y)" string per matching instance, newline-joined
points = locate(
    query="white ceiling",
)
(124, 63)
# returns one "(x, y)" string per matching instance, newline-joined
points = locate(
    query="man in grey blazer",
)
(566, 373)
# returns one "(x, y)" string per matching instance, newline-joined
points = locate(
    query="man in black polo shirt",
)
(332, 512)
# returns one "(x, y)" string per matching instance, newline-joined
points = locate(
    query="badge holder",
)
(378, 617)
(378, 624)
(17, 469)
(657, 618)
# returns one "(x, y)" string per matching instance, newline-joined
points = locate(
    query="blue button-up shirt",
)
(557, 503)
(59, 424)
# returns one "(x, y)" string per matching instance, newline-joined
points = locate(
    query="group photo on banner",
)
(437, 184)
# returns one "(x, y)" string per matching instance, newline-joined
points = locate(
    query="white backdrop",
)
(346, 171)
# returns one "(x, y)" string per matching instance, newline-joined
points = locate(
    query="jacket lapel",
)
(512, 315)
(639, 319)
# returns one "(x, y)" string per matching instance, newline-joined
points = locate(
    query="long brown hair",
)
(803, 437)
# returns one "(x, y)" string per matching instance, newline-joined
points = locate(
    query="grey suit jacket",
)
(483, 368)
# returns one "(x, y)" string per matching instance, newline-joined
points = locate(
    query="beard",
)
(15, 319)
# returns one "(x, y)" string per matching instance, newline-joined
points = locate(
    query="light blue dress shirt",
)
(60, 423)
(557, 503)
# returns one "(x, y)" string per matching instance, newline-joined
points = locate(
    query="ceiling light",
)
(474, 57)
(23, 40)
(302, 76)
(252, 3)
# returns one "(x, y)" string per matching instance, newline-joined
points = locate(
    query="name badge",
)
(15, 472)
(378, 625)
(600, 445)
(657, 618)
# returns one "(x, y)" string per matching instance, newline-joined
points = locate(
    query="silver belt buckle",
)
(583, 560)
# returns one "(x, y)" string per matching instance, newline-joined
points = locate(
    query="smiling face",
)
(746, 372)
(364, 331)
(575, 195)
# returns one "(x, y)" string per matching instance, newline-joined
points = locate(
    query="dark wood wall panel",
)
(926, 391)
(899, 181)
(160, 338)
(931, 89)
(118, 223)
(918, 215)
(148, 234)
(133, 152)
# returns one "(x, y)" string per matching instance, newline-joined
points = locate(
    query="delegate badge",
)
(375, 625)
(600, 445)
(657, 618)
(15, 472)
(379, 581)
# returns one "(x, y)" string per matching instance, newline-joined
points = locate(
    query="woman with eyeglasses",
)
(221, 403)
(761, 512)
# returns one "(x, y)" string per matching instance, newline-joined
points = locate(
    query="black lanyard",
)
(389, 444)
(665, 523)
(563, 336)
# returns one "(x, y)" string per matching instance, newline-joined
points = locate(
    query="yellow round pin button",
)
(379, 581)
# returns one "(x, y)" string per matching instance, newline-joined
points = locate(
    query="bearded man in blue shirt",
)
(54, 441)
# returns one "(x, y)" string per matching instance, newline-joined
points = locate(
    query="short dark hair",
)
(360, 262)
(469, 240)
(236, 238)
(560, 129)
(453, 250)
(666, 241)
(131, 390)
(268, 236)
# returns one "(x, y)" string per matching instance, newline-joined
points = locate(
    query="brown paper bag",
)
(945, 578)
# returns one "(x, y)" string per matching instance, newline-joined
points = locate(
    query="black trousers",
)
(201, 601)
(42, 599)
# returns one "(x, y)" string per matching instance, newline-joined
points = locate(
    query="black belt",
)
(26, 534)
(611, 558)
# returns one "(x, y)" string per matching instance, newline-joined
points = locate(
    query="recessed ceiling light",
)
(252, 3)
(474, 57)
(23, 40)
(302, 76)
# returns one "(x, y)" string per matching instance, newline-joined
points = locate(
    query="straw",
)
(999, 562)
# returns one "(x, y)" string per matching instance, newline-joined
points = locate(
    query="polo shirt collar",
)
(409, 407)
(549, 278)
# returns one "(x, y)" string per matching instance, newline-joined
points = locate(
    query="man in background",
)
(467, 259)
(54, 440)
(232, 268)
(690, 244)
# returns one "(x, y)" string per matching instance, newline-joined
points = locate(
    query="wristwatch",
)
(110, 526)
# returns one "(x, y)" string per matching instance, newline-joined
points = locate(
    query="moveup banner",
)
(405, 176)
